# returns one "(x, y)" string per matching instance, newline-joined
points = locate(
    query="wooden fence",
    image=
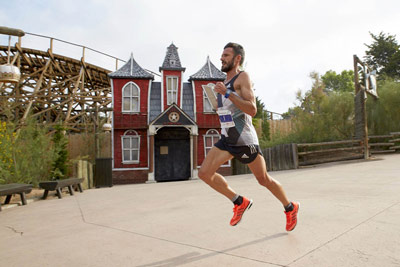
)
(280, 127)
(291, 156)
(280, 157)
(316, 153)
(384, 143)
(82, 146)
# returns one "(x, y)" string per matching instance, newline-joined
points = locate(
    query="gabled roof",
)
(168, 119)
(155, 100)
(131, 70)
(208, 72)
(171, 60)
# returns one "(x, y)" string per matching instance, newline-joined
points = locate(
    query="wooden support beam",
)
(38, 84)
(76, 85)
(23, 55)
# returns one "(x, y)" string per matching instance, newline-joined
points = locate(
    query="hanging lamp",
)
(8, 72)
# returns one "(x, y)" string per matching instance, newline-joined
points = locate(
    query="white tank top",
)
(243, 133)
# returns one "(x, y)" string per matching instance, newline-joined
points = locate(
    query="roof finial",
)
(209, 66)
(131, 63)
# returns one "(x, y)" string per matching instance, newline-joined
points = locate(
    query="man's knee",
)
(204, 175)
(265, 181)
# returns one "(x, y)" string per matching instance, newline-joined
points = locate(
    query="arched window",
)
(210, 138)
(130, 147)
(130, 98)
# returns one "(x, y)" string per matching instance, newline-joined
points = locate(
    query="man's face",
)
(227, 59)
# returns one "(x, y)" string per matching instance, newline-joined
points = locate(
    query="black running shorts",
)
(245, 154)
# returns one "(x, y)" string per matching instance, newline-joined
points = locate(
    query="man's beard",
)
(228, 67)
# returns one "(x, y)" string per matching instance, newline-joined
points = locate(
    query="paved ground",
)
(349, 216)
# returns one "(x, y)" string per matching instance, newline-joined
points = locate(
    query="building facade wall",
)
(129, 176)
(126, 173)
(143, 154)
(119, 83)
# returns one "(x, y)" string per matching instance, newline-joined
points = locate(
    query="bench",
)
(57, 185)
(10, 189)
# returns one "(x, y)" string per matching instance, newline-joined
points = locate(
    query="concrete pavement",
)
(349, 216)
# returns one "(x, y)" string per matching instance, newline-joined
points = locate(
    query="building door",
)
(172, 154)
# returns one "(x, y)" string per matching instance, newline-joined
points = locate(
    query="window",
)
(130, 98)
(130, 147)
(172, 90)
(207, 106)
(210, 138)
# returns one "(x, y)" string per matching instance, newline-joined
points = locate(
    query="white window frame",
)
(171, 90)
(213, 133)
(130, 134)
(131, 97)
(207, 106)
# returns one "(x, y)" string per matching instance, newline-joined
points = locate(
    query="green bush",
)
(322, 115)
(60, 161)
(27, 158)
(34, 154)
(7, 136)
(384, 113)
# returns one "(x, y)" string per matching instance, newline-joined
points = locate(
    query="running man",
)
(236, 107)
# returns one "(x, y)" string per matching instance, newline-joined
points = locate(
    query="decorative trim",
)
(194, 101)
(122, 147)
(122, 99)
(148, 101)
(130, 169)
(162, 91)
(112, 121)
(181, 96)
(177, 89)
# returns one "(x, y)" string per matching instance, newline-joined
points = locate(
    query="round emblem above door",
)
(173, 117)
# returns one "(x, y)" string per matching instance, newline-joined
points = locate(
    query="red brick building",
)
(162, 130)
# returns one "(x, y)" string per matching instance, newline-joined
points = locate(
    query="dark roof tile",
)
(171, 60)
(131, 70)
(208, 72)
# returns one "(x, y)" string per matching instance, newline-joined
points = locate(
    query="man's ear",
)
(238, 58)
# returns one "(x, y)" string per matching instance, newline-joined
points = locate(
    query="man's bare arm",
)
(247, 102)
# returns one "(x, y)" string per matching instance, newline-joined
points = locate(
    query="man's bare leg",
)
(214, 159)
(259, 169)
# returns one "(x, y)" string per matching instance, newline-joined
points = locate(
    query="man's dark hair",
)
(237, 49)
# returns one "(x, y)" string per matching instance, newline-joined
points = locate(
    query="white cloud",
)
(284, 40)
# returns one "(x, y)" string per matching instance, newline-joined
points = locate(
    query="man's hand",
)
(220, 88)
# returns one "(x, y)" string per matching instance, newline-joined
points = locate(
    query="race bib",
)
(225, 118)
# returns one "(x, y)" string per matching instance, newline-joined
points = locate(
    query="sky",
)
(284, 40)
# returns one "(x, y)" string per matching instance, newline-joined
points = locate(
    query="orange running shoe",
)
(238, 210)
(291, 217)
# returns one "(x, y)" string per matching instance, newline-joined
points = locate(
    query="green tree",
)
(60, 163)
(384, 113)
(262, 115)
(323, 114)
(343, 82)
(33, 154)
(7, 145)
(383, 55)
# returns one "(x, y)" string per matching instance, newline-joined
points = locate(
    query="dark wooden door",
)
(172, 154)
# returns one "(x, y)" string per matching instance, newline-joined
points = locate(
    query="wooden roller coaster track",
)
(54, 88)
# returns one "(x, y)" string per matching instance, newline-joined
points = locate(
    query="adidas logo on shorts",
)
(245, 156)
